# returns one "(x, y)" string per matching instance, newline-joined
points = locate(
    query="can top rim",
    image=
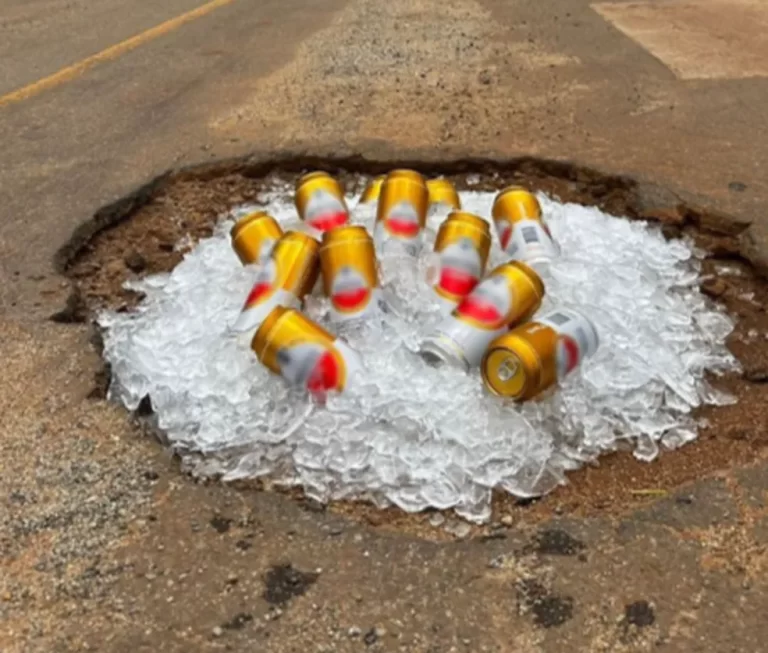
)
(343, 232)
(531, 274)
(405, 173)
(248, 219)
(314, 174)
(504, 344)
(301, 237)
(269, 323)
(466, 216)
(527, 197)
(441, 190)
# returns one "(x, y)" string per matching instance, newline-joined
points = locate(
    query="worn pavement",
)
(105, 546)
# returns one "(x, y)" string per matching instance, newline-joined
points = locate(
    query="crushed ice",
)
(410, 434)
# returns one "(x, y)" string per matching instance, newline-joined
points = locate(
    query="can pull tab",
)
(507, 369)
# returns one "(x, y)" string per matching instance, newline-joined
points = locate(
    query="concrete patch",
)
(703, 39)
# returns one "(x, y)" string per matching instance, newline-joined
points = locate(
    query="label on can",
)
(460, 269)
(350, 276)
(263, 297)
(324, 211)
(318, 366)
(576, 339)
(463, 342)
(352, 295)
(488, 306)
(265, 249)
(527, 240)
(401, 223)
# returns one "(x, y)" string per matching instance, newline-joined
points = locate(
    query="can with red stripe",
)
(254, 236)
(350, 277)
(402, 211)
(533, 357)
(320, 202)
(508, 296)
(461, 252)
(303, 353)
(522, 232)
(283, 279)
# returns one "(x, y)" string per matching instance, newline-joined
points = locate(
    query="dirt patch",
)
(183, 207)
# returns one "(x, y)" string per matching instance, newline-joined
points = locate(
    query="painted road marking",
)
(77, 69)
(698, 39)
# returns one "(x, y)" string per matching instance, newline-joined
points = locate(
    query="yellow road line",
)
(76, 69)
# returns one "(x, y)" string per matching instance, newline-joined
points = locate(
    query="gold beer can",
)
(320, 201)
(350, 276)
(372, 190)
(254, 236)
(533, 357)
(442, 191)
(462, 245)
(283, 279)
(522, 232)
(303, 353)
(509, 295)
(402, 210)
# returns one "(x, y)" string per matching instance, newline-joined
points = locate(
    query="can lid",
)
(532, 276)
(345, 233)
(438, 351)
(443, 191)
(470, 218)
(261, 338)
(516, 202)
(510, 367)
(403, 173)
(246, 220)
(301, 237)
(309, 176)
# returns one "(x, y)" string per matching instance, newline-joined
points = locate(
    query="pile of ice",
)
(414, 435)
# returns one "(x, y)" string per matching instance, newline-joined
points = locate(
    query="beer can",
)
(402, 210)
(522, 232)
(535, 356)
(442, 191)
(350, 277)
(372, 190)
(287, 275)
(254, 236)
(303, 353)
(509, 295)
(461, 251)
(320, 202)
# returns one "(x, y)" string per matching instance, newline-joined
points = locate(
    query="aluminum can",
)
(508, 296)
(350, 276)
(461, 253)
(320, 202)
(372, 190)
(254, 236)
(402, 210)
(535, 356)
(442, 191)
(522, 232)
(287, 275)
(303, 353)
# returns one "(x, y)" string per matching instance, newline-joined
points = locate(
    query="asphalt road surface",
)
(106, 546)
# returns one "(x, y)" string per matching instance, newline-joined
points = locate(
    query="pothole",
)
(185, 208)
